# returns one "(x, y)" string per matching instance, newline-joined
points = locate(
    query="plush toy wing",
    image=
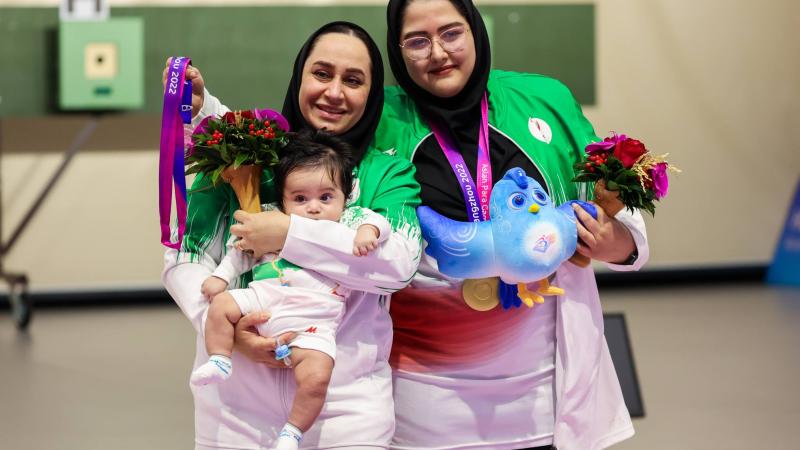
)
(461, 249)
(590, 208)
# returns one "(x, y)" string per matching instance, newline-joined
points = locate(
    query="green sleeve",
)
(390, 189)
(207, 222)
(400, 127)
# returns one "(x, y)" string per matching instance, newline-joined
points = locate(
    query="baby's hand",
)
(213, 286)
(366, 239)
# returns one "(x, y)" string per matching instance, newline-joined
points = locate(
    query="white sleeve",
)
(183, 275)
(635, 224)
(234, 264)
(211, 107)
(327, 248)
(183, 282)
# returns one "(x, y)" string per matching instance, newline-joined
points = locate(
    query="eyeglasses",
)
(451, 40)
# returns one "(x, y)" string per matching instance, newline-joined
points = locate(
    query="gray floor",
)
(719, 369)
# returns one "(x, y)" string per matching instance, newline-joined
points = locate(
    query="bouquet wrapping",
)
(235, 148)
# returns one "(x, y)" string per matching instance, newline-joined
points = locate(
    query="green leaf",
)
(240, 159)
(223, 153)
(215, 175)
(200, 189)
(194, 169)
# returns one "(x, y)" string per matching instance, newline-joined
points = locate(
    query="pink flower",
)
(606, 145)
(188, 144)
(273, 116)
(660, 181)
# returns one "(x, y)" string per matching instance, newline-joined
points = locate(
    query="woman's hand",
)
(198, 85)
(604, 239)
(261, 233)
(255, 347)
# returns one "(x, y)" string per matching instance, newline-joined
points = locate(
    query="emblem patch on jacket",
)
(540, 130)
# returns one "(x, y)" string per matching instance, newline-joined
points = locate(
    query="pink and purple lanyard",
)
(476, 199)
(177, 111)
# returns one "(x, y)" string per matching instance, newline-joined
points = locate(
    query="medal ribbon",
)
(476, 199)
(177, 111)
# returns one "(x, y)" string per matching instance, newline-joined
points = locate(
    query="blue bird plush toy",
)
(526, 240)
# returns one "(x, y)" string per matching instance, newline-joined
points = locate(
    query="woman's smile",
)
(331, 112)
(444, 70)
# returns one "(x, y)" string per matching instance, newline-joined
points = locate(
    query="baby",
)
(313, 179)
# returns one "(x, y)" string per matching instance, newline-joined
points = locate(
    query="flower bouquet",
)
(625, 174)
(235, 148)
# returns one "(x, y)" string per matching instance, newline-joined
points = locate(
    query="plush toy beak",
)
(534, 208)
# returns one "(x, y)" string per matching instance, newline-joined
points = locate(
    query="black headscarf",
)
(361, 134)
(460, 113)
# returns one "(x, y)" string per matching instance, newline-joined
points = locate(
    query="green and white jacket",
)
(541, 117)
(225, 414)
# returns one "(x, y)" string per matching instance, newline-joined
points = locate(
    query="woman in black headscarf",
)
(359, 134)
(468, 378)
(336, 85)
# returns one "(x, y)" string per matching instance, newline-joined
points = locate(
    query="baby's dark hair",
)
(311, 149)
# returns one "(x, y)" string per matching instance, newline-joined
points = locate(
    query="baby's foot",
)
(289, 438)
(218, 368)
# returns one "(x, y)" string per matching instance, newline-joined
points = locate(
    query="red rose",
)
(229, 117)
(247, 114)
(628, 151)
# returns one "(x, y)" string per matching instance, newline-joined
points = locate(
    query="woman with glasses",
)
(498, 379)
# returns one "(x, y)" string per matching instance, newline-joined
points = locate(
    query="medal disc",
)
(481, 294)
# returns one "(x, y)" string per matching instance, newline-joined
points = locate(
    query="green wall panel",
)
(27, 55)
(101, 64)
(246, 53)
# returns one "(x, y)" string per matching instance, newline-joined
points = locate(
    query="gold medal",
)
(480, 294)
